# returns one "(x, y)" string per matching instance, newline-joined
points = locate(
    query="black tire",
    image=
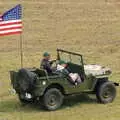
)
(52, 99)
(106, 92)
(23, 100)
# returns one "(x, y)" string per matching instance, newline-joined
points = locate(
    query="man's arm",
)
(52, 61)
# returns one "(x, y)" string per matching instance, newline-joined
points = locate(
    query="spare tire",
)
(26, 80)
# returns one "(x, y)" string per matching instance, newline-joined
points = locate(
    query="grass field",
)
(89, 27)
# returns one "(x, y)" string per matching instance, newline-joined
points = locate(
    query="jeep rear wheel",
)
(106, 92)
(53, 99)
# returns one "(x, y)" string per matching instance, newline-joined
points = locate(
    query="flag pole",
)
(21, 51)
(21, 44)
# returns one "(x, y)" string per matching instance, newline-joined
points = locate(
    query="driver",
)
(46, 63)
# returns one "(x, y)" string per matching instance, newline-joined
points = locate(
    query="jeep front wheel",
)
(53, 99)
(106, 92)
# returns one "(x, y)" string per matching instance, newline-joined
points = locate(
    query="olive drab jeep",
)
(50, 89)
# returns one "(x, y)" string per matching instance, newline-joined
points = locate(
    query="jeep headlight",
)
(44, 82)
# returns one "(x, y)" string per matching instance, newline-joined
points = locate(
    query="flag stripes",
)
(13, 26)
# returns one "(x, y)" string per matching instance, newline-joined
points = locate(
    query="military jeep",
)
(50, 89)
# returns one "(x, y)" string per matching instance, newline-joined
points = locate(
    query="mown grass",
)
(87, 27)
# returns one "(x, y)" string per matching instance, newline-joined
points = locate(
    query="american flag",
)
(10, 21)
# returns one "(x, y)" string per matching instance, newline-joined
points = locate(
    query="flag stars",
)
(13, 14)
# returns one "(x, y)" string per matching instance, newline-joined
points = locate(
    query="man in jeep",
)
(73, 77)
(46, 63)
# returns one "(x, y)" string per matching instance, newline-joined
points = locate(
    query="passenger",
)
(46, 63)
(74, 77)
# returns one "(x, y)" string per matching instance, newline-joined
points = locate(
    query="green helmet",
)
(46, 54)
(61, 62)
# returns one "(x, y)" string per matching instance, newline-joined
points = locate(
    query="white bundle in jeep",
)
(96, 70)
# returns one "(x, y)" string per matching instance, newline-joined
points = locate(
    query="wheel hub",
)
(52, 100)
(107, 93)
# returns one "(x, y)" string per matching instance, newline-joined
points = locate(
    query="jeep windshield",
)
(70, 57)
